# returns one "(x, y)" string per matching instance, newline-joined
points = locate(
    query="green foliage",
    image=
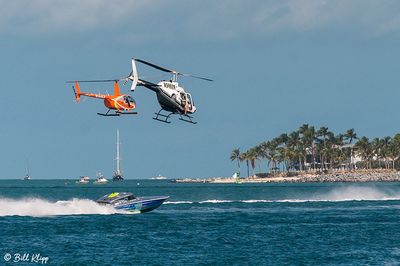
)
(308, 149)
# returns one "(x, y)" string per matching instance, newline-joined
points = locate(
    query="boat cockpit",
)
(116, 197)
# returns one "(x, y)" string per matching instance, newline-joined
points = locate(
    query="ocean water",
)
(202, 224)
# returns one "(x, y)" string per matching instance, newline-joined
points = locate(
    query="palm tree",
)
(263, 151)
(350, 135)
(376, 145)
(322, 132)
(259, 155)
(386, 142)
(395, 149)
(309, 136)
(295, 147)
(365, 150)
(244, 157)
(272, 154)
(235, 156)
(252, 157)
(341, 156)
(289, 151)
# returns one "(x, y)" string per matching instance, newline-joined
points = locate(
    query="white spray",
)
(42, 207)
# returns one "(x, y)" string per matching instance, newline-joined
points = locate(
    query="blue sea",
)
(57, 222)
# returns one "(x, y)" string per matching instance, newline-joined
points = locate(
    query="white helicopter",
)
(172, 98)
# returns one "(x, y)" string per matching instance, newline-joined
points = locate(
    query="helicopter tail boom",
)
(116, 89)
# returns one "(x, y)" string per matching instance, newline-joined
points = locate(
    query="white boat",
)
(100, 179)
(83, 180)
(159, 177)
(27, 176)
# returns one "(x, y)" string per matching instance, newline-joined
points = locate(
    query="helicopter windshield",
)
(189, 98)
(129, 99)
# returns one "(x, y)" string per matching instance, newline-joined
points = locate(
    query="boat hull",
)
(142, 204)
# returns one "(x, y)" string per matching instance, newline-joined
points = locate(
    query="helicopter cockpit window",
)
(189, 98)
(129, 99)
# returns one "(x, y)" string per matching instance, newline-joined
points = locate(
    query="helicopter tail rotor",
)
(77, 92)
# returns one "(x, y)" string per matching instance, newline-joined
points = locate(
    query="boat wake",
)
(335, 195)
(357, 193)
(40, 207)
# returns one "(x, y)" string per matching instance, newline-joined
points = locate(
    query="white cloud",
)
(225, 19)
(48, 16)
(375, 17)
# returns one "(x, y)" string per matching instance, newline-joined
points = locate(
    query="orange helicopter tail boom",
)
(116, 89)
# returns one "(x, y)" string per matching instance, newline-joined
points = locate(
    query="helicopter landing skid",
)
(126, 113)
(189, 119)
(166, 117)
(107, 114)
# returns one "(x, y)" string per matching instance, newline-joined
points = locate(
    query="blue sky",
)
(276, 65)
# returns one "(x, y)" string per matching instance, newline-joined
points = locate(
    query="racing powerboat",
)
(128, 202)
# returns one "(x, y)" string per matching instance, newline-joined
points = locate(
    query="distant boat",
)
(100, 179)
(118, 174)
(83, 180)
(159, 177)
(27, 176)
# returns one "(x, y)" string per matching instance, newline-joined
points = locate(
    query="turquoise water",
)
(203, 224)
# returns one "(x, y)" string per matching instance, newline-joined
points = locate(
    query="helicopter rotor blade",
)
(170, 71)
(155, 66)
(193, 76)
(97, 80)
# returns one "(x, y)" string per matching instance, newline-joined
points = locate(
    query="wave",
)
(40, 207)
(335, 195)
(215, 201)
(178, 202)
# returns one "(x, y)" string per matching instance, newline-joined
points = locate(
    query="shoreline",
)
(353, 176)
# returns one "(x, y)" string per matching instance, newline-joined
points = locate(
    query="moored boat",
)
(159, 177)
(83, 180)
(100, 179)
(27, 176)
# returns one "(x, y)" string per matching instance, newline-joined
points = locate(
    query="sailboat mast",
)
(27, 167)
(118, 175)
(118, 158)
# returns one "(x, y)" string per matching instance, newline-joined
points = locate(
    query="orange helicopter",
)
(122, 103)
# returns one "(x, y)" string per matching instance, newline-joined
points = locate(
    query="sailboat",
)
(118, 174)
(27, 176)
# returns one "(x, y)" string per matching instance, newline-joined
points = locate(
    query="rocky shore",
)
(350, 176)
